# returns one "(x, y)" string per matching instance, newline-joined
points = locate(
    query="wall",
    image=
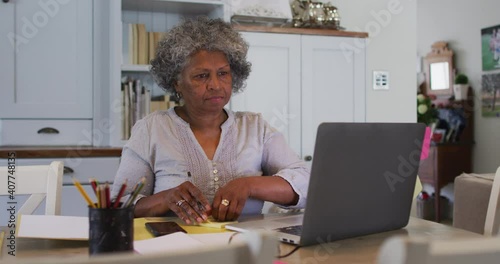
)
(391, 47)
(459, 22)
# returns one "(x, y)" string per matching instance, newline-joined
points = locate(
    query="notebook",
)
(362, 181)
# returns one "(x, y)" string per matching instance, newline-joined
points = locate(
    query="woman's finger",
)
(200, 202)
(177, 208)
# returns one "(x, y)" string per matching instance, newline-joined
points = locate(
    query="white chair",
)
(255, 248)
(40, 182)
(411, 250)
(492, 222)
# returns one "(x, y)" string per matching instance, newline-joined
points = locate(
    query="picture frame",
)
(490, 95)
(438, 136)
(490, 48)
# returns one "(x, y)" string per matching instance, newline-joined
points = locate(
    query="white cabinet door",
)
(273, 87)
(46, 59)
(333, 84)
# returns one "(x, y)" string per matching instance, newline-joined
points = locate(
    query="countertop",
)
(59, 151)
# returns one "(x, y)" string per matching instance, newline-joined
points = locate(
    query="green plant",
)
(426, 112)
(461, 79)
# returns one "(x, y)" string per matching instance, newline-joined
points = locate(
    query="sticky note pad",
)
(212, 223)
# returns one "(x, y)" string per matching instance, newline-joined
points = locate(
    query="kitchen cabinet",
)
(46, 65)
(299, 81)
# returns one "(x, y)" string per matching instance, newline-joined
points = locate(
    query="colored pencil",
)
(83, 193)
(120, 194)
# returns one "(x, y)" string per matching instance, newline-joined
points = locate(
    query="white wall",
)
(391, 25)
(459, 22)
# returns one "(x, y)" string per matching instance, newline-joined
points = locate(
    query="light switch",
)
(380, 80)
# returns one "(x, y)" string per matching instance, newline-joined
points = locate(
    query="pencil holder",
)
(111, 230)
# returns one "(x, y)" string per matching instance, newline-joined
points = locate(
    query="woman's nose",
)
(214, 82)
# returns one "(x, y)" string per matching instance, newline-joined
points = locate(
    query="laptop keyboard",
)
(293, 230)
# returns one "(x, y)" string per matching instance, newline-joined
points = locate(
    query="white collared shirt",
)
(163, 149)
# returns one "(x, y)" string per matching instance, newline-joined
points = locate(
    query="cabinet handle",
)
(67, 170)
(308, 158)
(48, 130)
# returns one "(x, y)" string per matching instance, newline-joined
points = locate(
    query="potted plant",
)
(461, 86)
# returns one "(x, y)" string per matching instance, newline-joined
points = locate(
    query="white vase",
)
(460, 91)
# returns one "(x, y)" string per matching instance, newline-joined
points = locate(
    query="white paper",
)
(215, 238)
(168, 243)
(54, 227)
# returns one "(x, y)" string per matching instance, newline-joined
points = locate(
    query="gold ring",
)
(225, 202)
(180, 202)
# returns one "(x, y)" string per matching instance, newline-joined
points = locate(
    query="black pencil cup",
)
(111, 230)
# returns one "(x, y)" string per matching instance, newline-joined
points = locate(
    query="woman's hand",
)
(230, 199)
(185, 200)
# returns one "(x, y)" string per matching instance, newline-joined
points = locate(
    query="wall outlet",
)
(380, 80)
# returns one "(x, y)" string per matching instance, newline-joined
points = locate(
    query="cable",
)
(279, 256)
(289, 253)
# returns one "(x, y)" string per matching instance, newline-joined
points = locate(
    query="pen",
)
(83, 193)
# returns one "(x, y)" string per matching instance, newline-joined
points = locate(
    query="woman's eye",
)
(201, 76)
(223, 73)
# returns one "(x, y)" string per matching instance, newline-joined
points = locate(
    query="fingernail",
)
(204, 217)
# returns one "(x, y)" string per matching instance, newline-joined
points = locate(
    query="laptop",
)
(362, 182)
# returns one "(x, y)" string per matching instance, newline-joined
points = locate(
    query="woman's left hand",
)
(230, 199)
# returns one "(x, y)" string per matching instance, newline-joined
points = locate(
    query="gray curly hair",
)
(197, 34)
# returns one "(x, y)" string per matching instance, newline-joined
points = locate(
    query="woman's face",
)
(205, 84)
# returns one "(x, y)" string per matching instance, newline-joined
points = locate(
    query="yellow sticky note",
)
(211, 223)
(141, 233)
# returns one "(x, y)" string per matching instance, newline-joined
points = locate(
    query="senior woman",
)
(200, 159)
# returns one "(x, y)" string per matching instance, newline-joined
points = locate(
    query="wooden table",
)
(355, 250)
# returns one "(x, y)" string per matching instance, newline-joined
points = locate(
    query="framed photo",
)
(490, 43)
(490, 95)
(438, 135)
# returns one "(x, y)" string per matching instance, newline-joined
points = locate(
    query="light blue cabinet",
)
(46, 59)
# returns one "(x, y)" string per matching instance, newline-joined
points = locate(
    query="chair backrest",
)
(492, 222)
(255, 248)
(44, 181)
(411, 250)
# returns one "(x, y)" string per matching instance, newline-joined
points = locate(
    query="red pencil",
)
(106, 193)
(94, 185)
(120, 194)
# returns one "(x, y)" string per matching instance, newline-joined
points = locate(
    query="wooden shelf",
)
(448, 160)
(302, 31)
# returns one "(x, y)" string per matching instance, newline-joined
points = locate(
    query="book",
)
(143, 46)
(135, 44)
(147, 102)
(126, 112)
(152, 45)
(127, 44)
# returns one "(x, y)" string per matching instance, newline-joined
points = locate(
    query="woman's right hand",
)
(185, 200)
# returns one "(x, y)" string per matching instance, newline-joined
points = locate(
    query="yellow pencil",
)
(83, 193)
